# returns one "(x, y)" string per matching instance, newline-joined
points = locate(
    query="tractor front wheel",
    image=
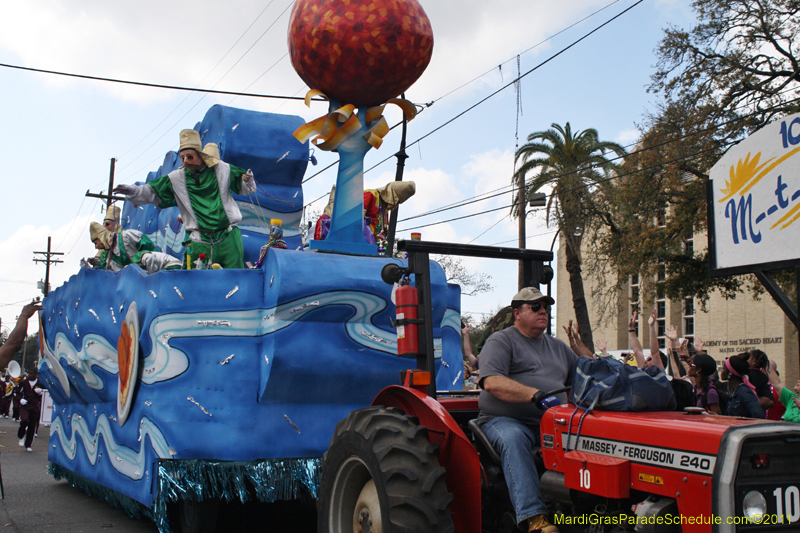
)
(381, 474)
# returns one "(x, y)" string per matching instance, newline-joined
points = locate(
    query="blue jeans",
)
(514, 441)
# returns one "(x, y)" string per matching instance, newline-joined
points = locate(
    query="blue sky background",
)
(58, 134)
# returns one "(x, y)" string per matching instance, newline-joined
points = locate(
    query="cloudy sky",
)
(58, 134)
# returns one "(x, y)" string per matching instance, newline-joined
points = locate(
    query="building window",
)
(661, 320)
(661, 217)
(688, 319)
(633, 296)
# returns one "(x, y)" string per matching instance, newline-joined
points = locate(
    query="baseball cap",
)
(531, 294)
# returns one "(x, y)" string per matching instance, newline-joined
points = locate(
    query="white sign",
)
(643, 453)
(756, 198)
(46, 414)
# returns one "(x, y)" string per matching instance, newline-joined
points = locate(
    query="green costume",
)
(128, 247)
(207, 207)
(792, 412)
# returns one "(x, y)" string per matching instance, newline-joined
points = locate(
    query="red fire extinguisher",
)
(407, 328)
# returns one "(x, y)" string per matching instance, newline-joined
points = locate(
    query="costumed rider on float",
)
(202, 191)
(120, 249)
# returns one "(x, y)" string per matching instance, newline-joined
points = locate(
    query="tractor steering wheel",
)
(541, 395)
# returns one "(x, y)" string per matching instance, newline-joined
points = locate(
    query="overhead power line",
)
(526, 238)
(507, 188)
(155, 85)
(204, 78)
(501, 89)
(514, 81)
(582, 186)
(473, 80)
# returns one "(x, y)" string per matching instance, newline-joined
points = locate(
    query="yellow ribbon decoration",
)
(327, 135)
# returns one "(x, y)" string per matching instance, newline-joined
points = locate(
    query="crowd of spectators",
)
(747, 384)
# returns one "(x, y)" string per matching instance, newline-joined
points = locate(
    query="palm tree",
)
(573, 165)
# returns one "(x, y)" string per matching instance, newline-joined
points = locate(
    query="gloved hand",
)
(37, 390)
(23, 402)
(247, 176)
(126, 190)
(545, 402)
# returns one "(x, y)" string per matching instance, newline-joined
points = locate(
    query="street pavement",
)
(36, 503)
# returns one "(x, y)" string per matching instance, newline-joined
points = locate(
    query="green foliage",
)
(455, 271)
(731, 74)
(481, 328)
(576, 166)
(738, 60)
(30, 349)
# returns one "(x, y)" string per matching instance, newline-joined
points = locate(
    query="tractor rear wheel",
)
(381, 474)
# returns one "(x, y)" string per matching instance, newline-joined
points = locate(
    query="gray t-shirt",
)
(545, 363)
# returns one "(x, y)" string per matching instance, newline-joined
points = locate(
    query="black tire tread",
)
(409, 474)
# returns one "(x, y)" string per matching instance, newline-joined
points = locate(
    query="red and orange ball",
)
(360, 52)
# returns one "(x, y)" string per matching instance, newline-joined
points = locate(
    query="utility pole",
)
(521, 197)
(24, 350)
(109, 198)
(398, 176)
(47, 261)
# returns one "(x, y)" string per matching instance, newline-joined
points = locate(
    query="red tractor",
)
(415, 461)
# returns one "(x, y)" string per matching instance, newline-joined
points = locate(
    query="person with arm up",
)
(789, 398)
(17, 336)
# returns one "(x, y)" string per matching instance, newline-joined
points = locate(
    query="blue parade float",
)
(195, 385)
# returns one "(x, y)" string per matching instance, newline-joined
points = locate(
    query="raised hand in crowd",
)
(17, 335)
(655, 350)
(633, 340)
(632, 322)
(473, 361)
(698, 345)
(575, 341)
(683, 349)
(602, 345)
(672, 334)
(775, 379)
(673, 365)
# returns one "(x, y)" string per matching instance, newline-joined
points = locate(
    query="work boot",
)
(540, 524)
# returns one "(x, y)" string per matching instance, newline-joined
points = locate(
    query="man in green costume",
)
(202, 191)
(122, 248)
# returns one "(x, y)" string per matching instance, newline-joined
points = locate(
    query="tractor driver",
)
(516, 363)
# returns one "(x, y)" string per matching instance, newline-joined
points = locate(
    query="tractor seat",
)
(484, 440)
(492, 453)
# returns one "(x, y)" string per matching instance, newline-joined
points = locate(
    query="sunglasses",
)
(537, 306)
